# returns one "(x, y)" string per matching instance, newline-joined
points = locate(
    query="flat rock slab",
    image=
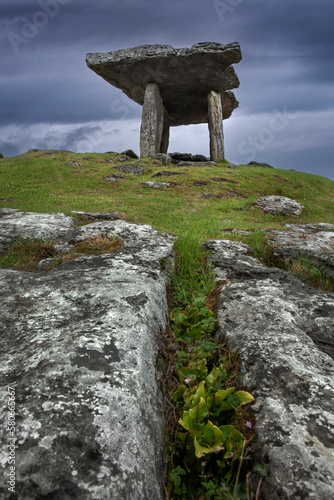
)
(156, 185)
(17, 225)
(79, 348)
(167, 173)
(128, 168)
(284, 331)
(184, 76)
(279, 205)
(314, 242)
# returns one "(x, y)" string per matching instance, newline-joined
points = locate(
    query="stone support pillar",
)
(215, 121)
(152, 122)
(165, 133)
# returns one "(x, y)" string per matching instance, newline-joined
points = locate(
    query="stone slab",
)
(79, 347)
(184, 76)
(284, 331)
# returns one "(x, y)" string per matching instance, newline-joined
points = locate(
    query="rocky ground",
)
(80, 346)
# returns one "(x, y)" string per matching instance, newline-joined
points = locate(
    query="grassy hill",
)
(58, 181)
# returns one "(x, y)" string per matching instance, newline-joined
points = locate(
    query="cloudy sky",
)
(49, 99)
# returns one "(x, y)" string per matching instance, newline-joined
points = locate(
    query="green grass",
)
(44, 181)
(47, 183)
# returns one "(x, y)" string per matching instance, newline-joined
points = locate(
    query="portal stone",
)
(152, 122)
(215, 112)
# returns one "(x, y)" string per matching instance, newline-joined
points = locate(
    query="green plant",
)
(194, 320)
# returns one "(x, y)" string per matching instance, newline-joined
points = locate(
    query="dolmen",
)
(175, 87)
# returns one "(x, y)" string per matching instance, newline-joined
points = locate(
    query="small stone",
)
(200, 183)
(45, 264)
(110, 178)
(108, 160)
(63, 247)
(164, 158)
(74, 164)
(279, 205)
(156, 185)
(186, 164)
(199, 158)
(123, 158)
(257, 164)
(176, 157)
(207, 195)
(231, 165)
(128, 168)
(130, 153)
(167, 173)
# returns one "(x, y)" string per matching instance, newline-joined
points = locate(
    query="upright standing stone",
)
(165, 133)
(152, 123)
(215, 120)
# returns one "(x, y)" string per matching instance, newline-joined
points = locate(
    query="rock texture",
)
(279, 205)
(79, 347)
(184, 76)
(215, 121)
(283, 330)
(152, 122)
(311, 241)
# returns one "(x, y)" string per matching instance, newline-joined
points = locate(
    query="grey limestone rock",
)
(184, 76)
(279, 205)
(283, 330)
(130, 153)
(27, 225)
(128, 168)
(257, 164)
(79, 349)
(311, 241)
(166, 173)
(164, 158)
(156, 185)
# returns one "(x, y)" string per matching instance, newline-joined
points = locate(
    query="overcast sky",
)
(50, 99)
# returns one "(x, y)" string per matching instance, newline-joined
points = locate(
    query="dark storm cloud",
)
(287, 53)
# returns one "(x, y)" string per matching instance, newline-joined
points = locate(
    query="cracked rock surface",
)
(80, 346)
(284, 331)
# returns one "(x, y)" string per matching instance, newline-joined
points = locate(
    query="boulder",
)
(49, 226)
(184, 76)
(279, 205)
(283, 330)
(130, 154)
(314, 242)
(80, 347)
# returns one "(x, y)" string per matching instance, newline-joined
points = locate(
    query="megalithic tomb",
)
(175, 87)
